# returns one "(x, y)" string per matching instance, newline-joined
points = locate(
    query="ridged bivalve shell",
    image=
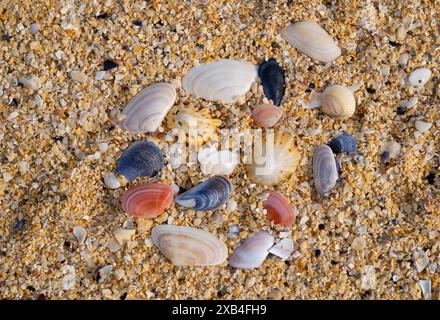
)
(338, 102)
(325, 169)
(252, 252)
(186, 246)
(147, 200)
(272, 78)
(278, 208)
(266, 115)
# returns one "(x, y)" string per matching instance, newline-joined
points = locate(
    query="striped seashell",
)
(221, 81)
(208, 195)
(147, 200)
(311, 39)
(266, 115)
(186, 246)
(338, 102)
(325, 169)
(252, 252)
(278, 208)
(274, 160)
(145, 112)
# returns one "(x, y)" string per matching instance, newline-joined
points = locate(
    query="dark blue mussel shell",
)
(343, 143)
(141, 159)
(272, 78)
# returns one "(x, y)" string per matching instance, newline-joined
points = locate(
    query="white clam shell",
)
(252, 252)
(311, 39)
(216, 162)
(338, 102)
(145, 112)
(419, 77)
(282, 249)
(325, 171)
(186, 246)
(80, 234)
(221, 81)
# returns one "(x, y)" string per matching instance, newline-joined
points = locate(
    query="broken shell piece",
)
(78, 76)
(392, 149)
(111, 181)
(338, 102)
(418, 78)
(425, 286)
(275, 158)
(221, 81)
(216, 162)
(145, 112)
(311, 39)
(278, 208)
(266, 115)
(123, 235)
(30, 82)
(147, 200)
(103, 273)
(325, 169)
(421, 260)
(343, 143)
(252, 252)
(186, 246)
(80, 234)
(282, 249)
(422, 126)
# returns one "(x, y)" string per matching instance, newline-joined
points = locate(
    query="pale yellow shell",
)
(338, 102)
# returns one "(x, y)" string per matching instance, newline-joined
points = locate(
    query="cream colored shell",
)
(338, 102)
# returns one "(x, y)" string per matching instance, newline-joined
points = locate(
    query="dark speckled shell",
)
(272, 78)
(343, 143)
(141, 159)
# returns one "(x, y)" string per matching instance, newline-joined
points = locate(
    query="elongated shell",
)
(266, 115)
(272, 78)
(147, 200)
(325, 170)
(278, 208)
(146, 110)
(221, 81)
(311, 39)
(338, 102)
(343, 143)
(213, 161)
(274, 160)
(141, 159)
(186, 246)
(207, 195)
(252, 252)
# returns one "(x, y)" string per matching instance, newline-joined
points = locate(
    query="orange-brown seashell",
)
(278, 208)
(266, 115)
(147, 200)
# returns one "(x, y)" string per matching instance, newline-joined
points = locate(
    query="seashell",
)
(221, 81)
(111, 181)
(141, 159)
(425, 287)
(338, 102)
(277, 163)
(103, 273)
(186, 246)
(80, 234)
(272, 78)
(282, 249)
(207, 195)
(278, 208)
(343, 143)
(147, 200)
(419, 77)
(266, 115)
(252, 252)
(216, 162)
(325, 169)
(145, 112)
(311, 39)
(122, 236)
(422, 126)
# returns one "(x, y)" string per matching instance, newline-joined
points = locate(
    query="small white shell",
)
(422, 126)
(123, 235)
(282, 249)
(80, 234)
(252, 252)
(311, 39)
(419, 77)
(104, 273)
(338, 102)
(147, 109)
(221, 81)
(216, 162)
(111, 181)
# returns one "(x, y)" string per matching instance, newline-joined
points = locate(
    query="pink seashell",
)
(147, 200)
(266, 115)
(252, 252)
(278, 209)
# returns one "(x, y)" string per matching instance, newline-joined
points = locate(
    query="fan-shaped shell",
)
(252, 252)
(344, 143)
(272, 78)
(186, 246)
(145, 112)
(274, 162)
(266, 115)
(325, 169)
(221, 81)
(147, 200)
(338, 102)
(208, 195)
(141, 159)
(278, 208)
(311, 39)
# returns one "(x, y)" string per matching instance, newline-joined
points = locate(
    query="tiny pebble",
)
(34, 28)
(422, 126)
(109, 64)
(78, 76)
(358, 244)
